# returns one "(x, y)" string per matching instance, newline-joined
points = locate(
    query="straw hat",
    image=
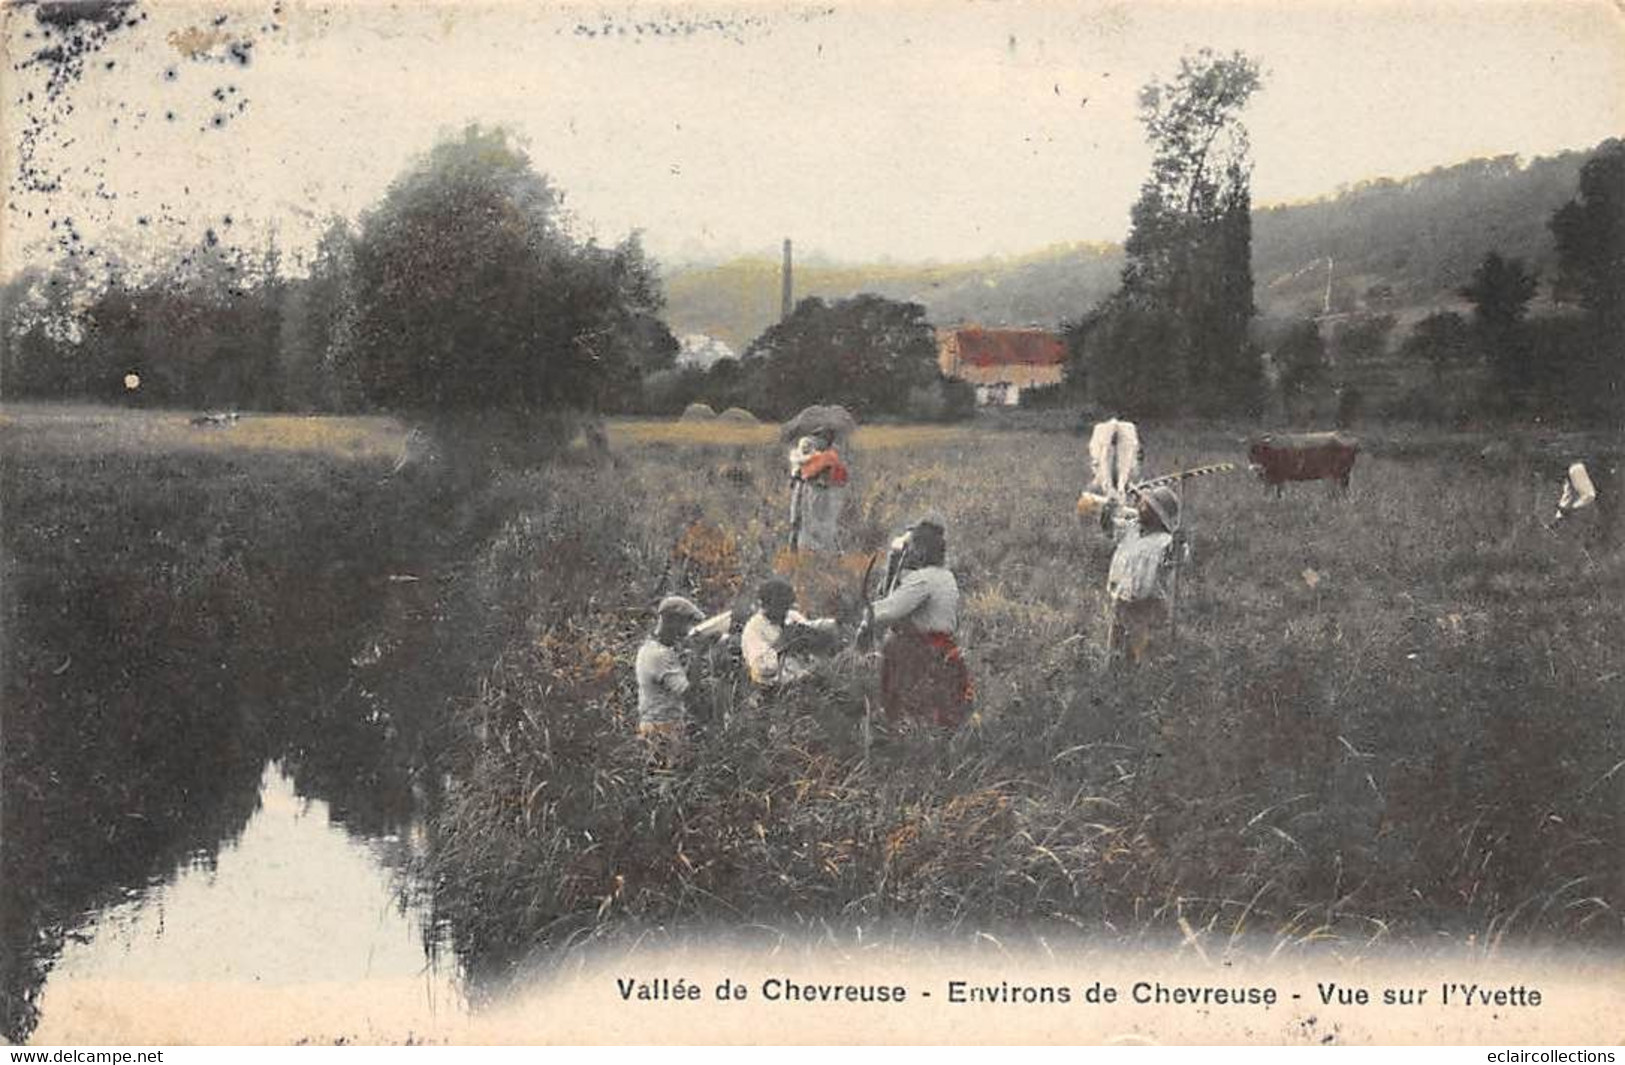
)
(678, 606)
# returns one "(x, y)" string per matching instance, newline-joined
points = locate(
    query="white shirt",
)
(1138, 569)
(759, 643)
(805, 449)
(927, 598)
(1578, 491)
(662, 680)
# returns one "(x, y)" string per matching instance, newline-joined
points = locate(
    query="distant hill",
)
(1406, 246)
(736, 300)
(1405, 249)
(1395, 246)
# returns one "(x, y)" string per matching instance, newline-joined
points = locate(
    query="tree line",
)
(465, 292)
(1180, 336)
(462, 294)
(461, 290)
(1494, 356)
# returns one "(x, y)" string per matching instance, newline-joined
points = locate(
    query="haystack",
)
(698, 412)
(739, 415)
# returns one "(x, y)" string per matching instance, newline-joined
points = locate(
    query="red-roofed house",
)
(1001, 363)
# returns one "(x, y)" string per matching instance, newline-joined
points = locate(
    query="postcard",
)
(778, 522)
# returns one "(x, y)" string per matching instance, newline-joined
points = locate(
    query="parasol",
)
(831, 418)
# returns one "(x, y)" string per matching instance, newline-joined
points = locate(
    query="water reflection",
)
(171, 625)
(294, 902)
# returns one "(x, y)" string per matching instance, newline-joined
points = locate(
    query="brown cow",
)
(1282, 457)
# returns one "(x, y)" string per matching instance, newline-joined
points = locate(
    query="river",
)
(298, 923)
(223, 680)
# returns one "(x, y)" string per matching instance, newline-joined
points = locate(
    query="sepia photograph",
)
(908, 521)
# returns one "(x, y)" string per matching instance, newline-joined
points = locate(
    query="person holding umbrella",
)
(818, 477)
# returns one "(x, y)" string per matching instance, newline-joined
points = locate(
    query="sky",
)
(906, 131)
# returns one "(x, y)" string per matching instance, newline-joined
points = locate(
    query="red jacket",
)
(825, 462)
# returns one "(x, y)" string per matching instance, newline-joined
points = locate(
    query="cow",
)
(1114, 457)
(1114, 460)
(1282, 457)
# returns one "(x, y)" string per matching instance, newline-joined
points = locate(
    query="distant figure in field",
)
(922, 673)
(664, 681)
(1114, 461)
(1578, 492)
(780, 645)
(817, 492)
(1140, 585)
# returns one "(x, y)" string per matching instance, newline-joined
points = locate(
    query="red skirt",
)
(923, 676)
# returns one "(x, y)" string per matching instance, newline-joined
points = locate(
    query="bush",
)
(558, 323)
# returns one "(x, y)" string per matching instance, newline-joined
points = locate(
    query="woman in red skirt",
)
(922, 673)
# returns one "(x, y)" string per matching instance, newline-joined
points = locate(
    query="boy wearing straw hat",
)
(1139, 584)
(663, 680)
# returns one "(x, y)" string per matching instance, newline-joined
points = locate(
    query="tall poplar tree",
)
(1173, 339)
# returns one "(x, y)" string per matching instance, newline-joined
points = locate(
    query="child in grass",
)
(1139, 584)
(663, 680)
(778, 642)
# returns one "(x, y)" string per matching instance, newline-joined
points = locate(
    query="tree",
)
(37, 325)
(1442, 340)
(1500, 292)
(1362, 337)
(1174, 336)
(472, 297)
(1590, 235)
(1302, 359)
(866, 353)
(315, 354)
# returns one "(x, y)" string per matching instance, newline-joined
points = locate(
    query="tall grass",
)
(1390, 715)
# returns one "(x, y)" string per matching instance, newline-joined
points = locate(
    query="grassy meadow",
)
(1390, 716)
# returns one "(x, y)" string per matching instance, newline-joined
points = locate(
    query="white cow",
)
(1114, 459)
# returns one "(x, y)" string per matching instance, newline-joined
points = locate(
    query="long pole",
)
(1179, 564)
(1111, 631)
(1173, 592)
(796, 503)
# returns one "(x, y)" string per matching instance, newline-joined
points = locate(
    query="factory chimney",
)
(787, 301)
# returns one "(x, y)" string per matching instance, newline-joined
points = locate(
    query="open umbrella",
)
(831, 418)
